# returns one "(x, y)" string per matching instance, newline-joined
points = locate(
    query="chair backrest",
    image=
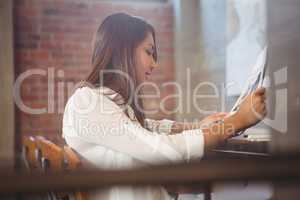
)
(42, 154)
(72, 161)
(51, 155)
(29, 153)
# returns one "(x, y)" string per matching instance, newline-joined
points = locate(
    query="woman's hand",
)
(252, 109)
(212, 118)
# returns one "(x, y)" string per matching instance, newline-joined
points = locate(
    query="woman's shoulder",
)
(83, 97)
(87, 97)
(87, 92)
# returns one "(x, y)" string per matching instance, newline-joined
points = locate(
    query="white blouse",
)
(96, 126)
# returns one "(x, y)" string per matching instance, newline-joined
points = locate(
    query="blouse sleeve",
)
(159, 126)
(94, 118)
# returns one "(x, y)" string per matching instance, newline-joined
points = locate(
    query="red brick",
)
(49, 45)
(27, 12)
(40, 55)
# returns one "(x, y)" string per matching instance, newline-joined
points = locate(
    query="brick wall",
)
(53, 37)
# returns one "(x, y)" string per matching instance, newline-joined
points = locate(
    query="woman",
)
(105, 123)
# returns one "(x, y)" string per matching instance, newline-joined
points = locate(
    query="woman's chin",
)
(147, 78)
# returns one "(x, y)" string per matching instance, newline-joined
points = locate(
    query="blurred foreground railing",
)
(204, 172)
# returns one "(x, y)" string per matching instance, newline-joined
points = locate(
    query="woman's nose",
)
(154, 65)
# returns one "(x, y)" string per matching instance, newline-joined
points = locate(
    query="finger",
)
(263, 113)
(217, 118)
(257, 100)
(262, 99)
(213, 116)
(222, 114)
(263, 107)
(264, 96)
(260, 91)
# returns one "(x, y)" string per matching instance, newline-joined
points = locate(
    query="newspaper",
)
(255, 80)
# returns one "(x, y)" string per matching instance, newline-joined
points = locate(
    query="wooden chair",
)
(40, 154)
(31, 157)
(56, 159)
(51, 159)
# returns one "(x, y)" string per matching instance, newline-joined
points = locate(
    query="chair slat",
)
(51, 154)
(74, 163)
(72, 160)
(29, 152)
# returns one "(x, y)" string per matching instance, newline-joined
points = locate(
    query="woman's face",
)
(144, 58)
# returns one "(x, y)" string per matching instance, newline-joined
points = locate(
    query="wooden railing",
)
(206, 171)
(61, 171)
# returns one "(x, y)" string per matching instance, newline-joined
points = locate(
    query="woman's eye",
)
(149, 52)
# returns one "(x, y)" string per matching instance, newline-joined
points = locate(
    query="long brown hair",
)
(114, 49)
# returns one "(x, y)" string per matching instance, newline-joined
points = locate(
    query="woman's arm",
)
(251, 111)
(178, 127)
(215, 132)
